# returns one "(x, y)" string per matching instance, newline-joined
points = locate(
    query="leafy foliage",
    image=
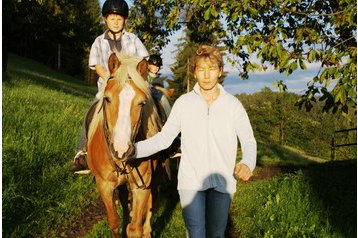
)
(285, 35)
(151, 20)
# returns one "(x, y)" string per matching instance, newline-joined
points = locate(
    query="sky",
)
(296, 82)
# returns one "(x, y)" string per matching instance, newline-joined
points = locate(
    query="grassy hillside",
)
(275, 119)
(42, 117)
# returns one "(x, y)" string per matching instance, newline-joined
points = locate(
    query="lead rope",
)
(143, 186)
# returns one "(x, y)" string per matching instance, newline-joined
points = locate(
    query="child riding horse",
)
(126, 113)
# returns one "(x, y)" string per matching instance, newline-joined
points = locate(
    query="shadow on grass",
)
(165, 206)
(335, 185)
(273, 154)
(28, 70)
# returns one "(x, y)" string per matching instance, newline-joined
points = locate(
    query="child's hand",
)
(242, 171)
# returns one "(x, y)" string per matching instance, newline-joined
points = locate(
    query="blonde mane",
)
(128, 70)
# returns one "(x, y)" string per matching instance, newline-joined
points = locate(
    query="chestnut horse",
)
(125, 114)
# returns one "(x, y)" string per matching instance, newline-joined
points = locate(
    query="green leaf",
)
(337, 74)
(207, 14)
(315, 79)
(323, 76)
(213, 11)
(284, 60)
(234, 16)
(293, 65)
(302, 64)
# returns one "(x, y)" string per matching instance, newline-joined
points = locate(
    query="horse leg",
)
(124, 200)
(135, 227)
(147, 228)
(106, 190)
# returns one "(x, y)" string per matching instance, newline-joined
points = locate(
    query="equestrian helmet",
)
(119, 7)
(155, 60)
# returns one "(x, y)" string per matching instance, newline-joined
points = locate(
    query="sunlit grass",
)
(42, 116)
(40, 129)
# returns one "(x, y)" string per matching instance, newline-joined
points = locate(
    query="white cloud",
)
(169, 52)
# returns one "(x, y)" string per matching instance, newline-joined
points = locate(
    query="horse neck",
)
(97, 120)
(150, 123)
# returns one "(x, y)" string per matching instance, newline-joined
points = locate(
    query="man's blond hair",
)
(208, 52)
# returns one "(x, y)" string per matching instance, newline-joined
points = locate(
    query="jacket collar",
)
(196, 89)
(106, 36)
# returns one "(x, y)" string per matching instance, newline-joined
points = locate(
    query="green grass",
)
(316, 202)
(42, 116)
(41, 122)
(273, 154)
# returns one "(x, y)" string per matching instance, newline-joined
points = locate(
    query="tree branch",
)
(343, 41)
(318, 15)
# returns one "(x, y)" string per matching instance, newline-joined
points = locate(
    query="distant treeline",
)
(57, 33)
(275, 119)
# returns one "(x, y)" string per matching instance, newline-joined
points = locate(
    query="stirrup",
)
(176, 155)
(79, 154)
(80, 161)
(86, 171)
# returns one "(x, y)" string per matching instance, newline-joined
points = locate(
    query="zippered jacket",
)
(209, 140)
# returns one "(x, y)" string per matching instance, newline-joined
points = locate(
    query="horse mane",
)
(96, 119)
(128, 69)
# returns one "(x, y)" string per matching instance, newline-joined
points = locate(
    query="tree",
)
(183, 80)
(283, 34)
(36, 28)
(289, 33)
(153, 22)
(308, 131)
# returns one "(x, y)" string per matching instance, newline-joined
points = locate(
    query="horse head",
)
(126, 113)
(124, 97)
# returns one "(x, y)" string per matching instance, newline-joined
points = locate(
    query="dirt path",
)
(96, 212)
(84, 224)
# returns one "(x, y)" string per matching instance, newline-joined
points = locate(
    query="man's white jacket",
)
(209, 140)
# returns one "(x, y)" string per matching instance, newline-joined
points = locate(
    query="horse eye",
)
(142, 103)
(107, 99)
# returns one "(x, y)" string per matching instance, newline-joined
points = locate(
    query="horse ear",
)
(113, 63)
(142, 68)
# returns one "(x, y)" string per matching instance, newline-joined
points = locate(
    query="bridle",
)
(121, 166)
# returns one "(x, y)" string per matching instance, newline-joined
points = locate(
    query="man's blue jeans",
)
(205, 212)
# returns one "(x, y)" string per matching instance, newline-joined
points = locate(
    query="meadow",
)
(42, 113)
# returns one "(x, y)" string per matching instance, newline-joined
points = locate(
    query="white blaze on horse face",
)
(122, 130)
